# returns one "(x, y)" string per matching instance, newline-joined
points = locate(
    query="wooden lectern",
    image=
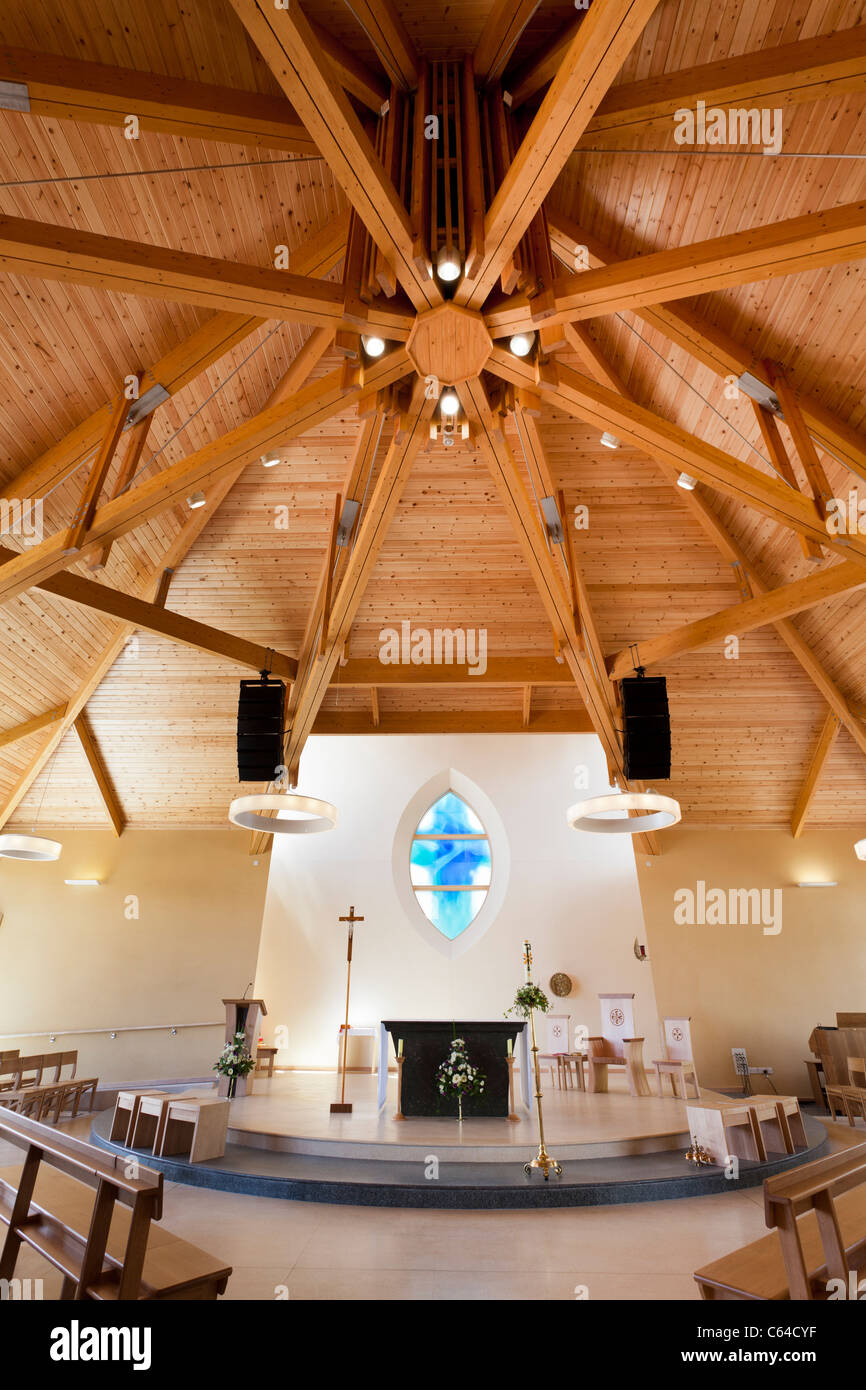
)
(242, 1016)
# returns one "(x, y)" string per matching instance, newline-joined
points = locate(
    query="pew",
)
(817, 1220)
(74, 1204)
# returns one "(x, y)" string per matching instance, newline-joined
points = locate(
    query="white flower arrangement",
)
(457, 1076)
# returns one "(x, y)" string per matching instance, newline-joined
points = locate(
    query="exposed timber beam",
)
(672, 445)
(316, 256)
(750, 579)
(289, 46)
(153, 617)
(356, 77)
(294, 416)
(759, 253)
(826, 739)
(741, 617)
(452, 722)
(130, 267)
(588, 67)
(31, 726)
(100, 774)
(72, 90)
(499, 37)
(500, 671)
(710, 345)
(387, 33)
(812, 69)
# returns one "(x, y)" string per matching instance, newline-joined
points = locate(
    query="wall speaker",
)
(647, 728)
(260, 729)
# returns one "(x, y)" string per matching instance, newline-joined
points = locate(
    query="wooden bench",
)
(817, 1218)
(51, 1098)
(74, 1204)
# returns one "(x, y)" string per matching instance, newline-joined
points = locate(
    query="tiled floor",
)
(306, 1251)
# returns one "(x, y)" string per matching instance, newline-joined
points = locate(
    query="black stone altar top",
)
(425, 1047)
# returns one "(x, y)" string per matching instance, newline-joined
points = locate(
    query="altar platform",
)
(283, 1142)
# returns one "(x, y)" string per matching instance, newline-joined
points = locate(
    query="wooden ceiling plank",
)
(751, 580)
(606, 410)
(387, 33)
(359, 80)
(541, 69)
(289, 418)
(739, 618)
(588, 67)
(100, 774)
(711, 345)
(500, 36)
(738, 258)
(826, 739)
(31, 726)
(75, 90)
(38, 249)
(290, 48)
(826, 65)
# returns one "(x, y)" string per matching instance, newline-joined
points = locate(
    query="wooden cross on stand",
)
(340, 1107)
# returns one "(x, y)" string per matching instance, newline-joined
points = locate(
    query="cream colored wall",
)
(70, 958)
(744, 988)
(574, 895)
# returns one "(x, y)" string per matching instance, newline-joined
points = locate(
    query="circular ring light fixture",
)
(295, 814)
(592, 814)
(29, 847)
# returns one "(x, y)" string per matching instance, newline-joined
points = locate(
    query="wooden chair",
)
(25, 1065)
(59, 1060)
(677, 1062)
(817, 1220)
(74, 1205)
(854, 1094)
(7, 1070)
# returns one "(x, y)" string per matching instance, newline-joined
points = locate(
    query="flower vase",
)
(460, 1109)
(233, 1082)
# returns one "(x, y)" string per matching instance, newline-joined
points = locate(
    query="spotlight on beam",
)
(448, 265)
(521, 344)
(609, 440)
(687, 482)
(373, 346)
(196, 499)
(270, 460)
(449, 402)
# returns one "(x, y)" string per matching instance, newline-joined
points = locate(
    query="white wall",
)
(573, 894)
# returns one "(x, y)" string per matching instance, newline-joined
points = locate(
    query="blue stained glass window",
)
(450, 865)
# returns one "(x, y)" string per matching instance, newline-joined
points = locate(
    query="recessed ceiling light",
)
(609, 440)
(687, 482)
(448, 265)
(373, 346)
(270, 460)
(196, 499)
(449, 402)
(521, 344)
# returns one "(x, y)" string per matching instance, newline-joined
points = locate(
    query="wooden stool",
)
(726, 1127)
(146, 1132)
(125, 1115)
(265, 1055)
(196, 1124)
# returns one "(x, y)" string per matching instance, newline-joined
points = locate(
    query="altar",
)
(425, 1046)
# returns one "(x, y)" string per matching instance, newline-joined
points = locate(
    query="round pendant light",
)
(593, 813)
(29, 847)
(295, 814)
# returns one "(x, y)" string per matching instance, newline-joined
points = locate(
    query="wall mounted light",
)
(818, 883)
(82, 882)
(860, 849)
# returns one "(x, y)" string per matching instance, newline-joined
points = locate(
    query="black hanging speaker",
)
(260, 729)
(647, 728)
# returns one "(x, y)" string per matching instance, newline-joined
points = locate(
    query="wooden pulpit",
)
(242, 1016)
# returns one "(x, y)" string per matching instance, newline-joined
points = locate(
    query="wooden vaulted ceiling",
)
(774, 737)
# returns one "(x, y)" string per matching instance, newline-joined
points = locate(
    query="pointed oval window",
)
(450, 865)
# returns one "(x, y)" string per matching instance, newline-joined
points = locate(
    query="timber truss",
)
(522, 270)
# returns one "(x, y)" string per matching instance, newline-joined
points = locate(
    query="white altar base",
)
(290, 1113)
